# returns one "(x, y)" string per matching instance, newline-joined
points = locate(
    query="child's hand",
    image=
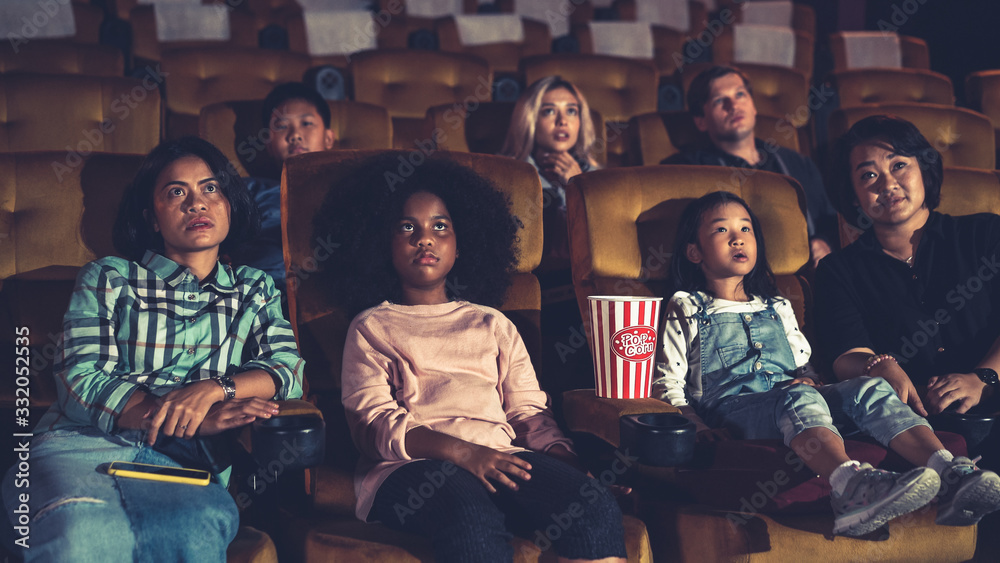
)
(891, 372)
(487, 463)
(803, 380)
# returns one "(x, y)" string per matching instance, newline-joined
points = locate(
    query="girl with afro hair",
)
(438, 388)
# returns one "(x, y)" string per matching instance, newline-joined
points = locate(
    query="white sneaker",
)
(872, 497)
(967, 493)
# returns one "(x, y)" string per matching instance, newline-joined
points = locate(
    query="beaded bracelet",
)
(874, 361)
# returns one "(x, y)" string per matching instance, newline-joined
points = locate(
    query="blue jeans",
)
(559, 507)
(870, 404)
(79, 513)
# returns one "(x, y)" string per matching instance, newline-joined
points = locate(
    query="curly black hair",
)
(133, 234)
(688, 276)
(361, 211)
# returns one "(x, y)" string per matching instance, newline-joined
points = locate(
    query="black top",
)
(938, 317)
(822, 218)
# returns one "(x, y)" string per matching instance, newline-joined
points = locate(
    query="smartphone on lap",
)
(159, 473)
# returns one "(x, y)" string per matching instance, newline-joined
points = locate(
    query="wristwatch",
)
(987, 375)
(229, 386)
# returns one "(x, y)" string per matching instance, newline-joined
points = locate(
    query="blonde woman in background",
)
(551, 129)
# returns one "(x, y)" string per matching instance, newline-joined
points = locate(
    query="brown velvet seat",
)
(236, 129)
(962, 136)
(618, 88)
(740, 500)
(61, 57)
(330, 532)
(982, 91)
(726, 50)
(885, 85)
(802, 16)
(200, 76)
(483, 128)
(78, 114)
(408, 82)
(667, 43)
(503, 56)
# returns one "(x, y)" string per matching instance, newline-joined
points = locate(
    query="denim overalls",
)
(745, 358)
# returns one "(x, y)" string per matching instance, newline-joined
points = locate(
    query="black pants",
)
(558, 508)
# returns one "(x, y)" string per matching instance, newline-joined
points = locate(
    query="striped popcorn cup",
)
(623, 333)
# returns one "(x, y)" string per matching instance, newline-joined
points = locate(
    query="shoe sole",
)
(971, 503)
(921, 491)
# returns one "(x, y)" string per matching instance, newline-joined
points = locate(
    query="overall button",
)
(757, 365)
(758, 345)
(747, 318)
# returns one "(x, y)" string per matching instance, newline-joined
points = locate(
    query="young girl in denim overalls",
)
(734, 357)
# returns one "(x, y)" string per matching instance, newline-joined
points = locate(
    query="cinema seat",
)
(886, 85)
(982, 90)
(744, 44)
(236, 129)
(501, 39)
(61, 57)
(635, 40)
(78, 114)
(148, 47)
(330, 531)
(877, 49)
(739, 500)
(408, 82)
(200, 76)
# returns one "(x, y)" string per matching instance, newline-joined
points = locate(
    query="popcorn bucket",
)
(623, 333)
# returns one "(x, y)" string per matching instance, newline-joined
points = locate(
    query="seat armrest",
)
(295, 437)
(586, 412)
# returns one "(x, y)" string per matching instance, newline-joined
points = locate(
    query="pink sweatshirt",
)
(457, 368)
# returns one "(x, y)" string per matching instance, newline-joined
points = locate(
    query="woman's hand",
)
(558, 168)
(486, 463)
(966, 389)
(225, 415)
(891, 372)
(182, 410)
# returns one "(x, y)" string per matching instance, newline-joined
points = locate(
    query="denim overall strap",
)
(741, 353)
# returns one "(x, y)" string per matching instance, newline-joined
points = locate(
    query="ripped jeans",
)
(79, 513)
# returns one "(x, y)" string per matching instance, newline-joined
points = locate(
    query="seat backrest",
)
(877, 49)
(623, 221)
(559, 15)
(146, 44)
(235, 128)
(483, 129)
(630, 40)
(53, 219)
(407, 82)
(964, 191)
(200, 76)
(885, 85)
(618, 88)
(982, 90)
(78, 115)
(962, 136)
(783, 13)
(61, 57)
(655, 136)
(321, 328)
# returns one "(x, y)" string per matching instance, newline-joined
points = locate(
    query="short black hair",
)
(688, 276)
(133, 234)
(360, 212)
(905, 139)
(294, 91)
(701, 87)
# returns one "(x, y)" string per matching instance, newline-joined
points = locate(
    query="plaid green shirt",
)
(151, 326)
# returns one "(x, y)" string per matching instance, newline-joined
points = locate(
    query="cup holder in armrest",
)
(660, 439)
(294, 441)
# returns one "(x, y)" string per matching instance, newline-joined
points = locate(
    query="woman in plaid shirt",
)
(159, 349)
